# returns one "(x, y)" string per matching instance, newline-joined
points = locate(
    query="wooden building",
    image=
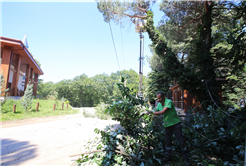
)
(184, 100)
(18, 66)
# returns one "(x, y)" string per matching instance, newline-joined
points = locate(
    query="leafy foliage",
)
(215, 137)
(28, 97)
(157, 78)
(120, 12)
(211, 135)
(100, 111)
(84, 91)
(183, 27)
(196, 81)
(3, 90)
(235, 90)
(127, 144)
(198, 42)
(157, 81)
(45, 89)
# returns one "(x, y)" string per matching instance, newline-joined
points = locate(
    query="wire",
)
(114, 45)
(122, 44)
(143, 51)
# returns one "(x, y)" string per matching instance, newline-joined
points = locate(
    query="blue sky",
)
(71, 38)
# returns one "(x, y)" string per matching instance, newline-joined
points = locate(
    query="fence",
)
(179, 104)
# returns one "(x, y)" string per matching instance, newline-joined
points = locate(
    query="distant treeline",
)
(89, 91)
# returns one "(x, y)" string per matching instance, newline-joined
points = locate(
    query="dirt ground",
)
(47, 141)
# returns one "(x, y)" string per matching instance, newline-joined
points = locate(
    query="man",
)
(171, 124)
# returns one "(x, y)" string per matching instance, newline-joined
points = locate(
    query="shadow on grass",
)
(18, 112)
(34, 111)
(15, 152)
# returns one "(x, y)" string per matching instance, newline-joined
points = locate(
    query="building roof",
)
(19, 48)
(174, 86)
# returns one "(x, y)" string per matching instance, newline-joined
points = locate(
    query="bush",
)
(28, 97)
(216, 137)
(3, 90)
(131, 144)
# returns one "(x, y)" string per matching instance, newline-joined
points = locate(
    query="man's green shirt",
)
(170, 115)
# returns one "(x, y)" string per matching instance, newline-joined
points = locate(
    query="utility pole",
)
(139, 28)
(141, 63)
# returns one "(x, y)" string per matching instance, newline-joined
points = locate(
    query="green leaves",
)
(212, 137)
(130, 143)
(157, 81)
(28, 97)
(84, 91)
(2, 88)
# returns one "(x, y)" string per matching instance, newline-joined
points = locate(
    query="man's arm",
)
(161, 112)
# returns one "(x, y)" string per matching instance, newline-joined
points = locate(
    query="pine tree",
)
(235, 90)
(28, 97)
(186, 41)
(157, 81)
(157, 78)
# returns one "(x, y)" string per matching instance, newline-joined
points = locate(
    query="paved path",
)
(48, 143)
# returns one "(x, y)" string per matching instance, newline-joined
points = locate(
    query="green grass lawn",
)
(45, 109)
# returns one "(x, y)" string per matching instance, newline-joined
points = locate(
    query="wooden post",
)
(67, 105)
(35, 84)
(6, 55)
(37, 106)
(62, 105)
(54, 108)
(31, 75)
(16, 74)
(14, 107)
(27, 76)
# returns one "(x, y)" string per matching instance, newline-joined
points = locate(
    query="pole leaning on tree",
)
(139, 28)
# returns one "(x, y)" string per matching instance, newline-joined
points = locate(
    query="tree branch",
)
(216, 139)
(210, 94)
(218, 106)
(142, 9)
(180, 7)
(200, 104)
(190, 22)
(116, 151)
(206, 6)
(140, 147)
(231, 123)
(131, 16)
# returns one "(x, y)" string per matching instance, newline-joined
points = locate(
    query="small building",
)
(182, 98)
(185, 100)
(18, 66)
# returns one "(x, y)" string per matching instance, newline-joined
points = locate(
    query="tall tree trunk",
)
(208, 63)
(208, 22)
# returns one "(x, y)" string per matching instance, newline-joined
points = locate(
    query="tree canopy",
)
(196, 43)
(84, 91)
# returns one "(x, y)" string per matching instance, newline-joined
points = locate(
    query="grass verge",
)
(45, 110)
